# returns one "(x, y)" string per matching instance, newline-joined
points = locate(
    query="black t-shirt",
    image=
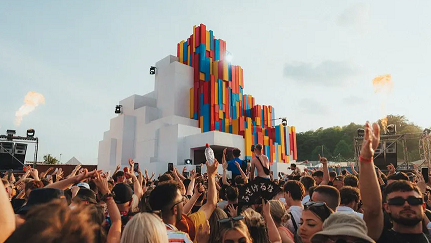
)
(390, 236)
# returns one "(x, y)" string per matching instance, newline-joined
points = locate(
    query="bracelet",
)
(362, 159)
(106, 196)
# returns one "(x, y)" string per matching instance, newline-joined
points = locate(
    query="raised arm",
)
(211, 203)
(243, 175)
(198, 189)
(66, 183)
(114, 234)
(224, 179)
(274, 235)
(192, 183)
(370, 189)
(352, 166)
(7, 218)
(324, 162)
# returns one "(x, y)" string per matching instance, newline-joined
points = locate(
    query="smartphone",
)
(186, 174)
(198, 169)
(425, 171)
(54, 178)
(170, 166)
(136, 167)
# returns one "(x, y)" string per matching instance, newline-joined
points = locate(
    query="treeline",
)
(337, 142)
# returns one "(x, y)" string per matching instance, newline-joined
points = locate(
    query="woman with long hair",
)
(145, 228)
(312, 218)
(217, 215)
(280, 217)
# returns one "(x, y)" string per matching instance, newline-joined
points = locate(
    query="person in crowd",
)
(293, 193)
(119, 177)
(260, 163)
(295, 170)
(7, 218)
(231, 193)
(338, 182)
(167, 199)
(350, 201)
(261, 226)
(343, 228)
(280, 217)
(351, 180)
(308, 182)
(216, 216)
(404, 202)
(233, 231)
(318, 176)
(312, 218)
(396, 177)
(328, 194)
(232, 163)
(145, 228)
(332, 175)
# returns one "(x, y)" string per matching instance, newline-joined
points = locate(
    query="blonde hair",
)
(145, 228)
(256, 226)
(278, 212)
(238, 226)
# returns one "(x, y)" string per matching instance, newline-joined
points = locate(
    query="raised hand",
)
(233, 211)
(371, 141)
(101, 183)
(237, 165)
(132, 165)
(212, 169)
(35, 174)
(192, 174)
(199, 188)
(323, 160)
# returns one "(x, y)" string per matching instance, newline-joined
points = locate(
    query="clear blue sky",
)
(313, 61)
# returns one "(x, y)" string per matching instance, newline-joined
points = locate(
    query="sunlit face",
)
(407, 215)
(309, 225)
(235, 236)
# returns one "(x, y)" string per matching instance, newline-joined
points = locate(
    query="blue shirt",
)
(231, 166)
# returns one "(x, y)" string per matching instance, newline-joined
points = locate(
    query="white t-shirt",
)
(295, 212)
(305, 199)
(222, 204)
(345, 209)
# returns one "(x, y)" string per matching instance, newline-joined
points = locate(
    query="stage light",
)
(30, 133)
(118, 109)
(10, 134)
(188, 161)
(229, 56)
(361, 132)
(392, 129)
(153, 70)
(284, 122)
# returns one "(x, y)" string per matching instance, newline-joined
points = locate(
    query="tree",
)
(343, 149)
(50, 160)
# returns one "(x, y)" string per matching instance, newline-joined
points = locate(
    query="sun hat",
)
(342, 224)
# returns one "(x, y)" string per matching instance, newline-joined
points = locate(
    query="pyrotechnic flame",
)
(383, 84)
(31, 101)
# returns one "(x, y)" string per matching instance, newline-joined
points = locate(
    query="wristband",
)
(106, 196)
(362, 159)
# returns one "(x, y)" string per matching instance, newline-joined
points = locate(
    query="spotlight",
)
(229, 56)
(284, 122)
(118, 109)
(153, 70)
(361, 132)
(30, 133)
(392, 129)
(188, 161)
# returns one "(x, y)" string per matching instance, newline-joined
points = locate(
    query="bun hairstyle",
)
(278, 212)
(256, 226)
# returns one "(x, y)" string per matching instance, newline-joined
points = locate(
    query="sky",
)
(314, 61)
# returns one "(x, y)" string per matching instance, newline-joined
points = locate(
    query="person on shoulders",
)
(260, 163)
(232, 164)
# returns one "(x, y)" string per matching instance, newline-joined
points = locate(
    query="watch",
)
(106, 196)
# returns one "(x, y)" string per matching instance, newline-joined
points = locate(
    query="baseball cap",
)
(87, 195)
(83, 184)
(342, 224)
(41, 196)
(122, 193)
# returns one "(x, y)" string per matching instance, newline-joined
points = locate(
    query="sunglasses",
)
(230, 220)
(314, 204)
(399, 201)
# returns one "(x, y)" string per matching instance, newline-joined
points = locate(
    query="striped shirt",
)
(176, 236)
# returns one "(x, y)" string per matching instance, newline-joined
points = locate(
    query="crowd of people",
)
(305, 206)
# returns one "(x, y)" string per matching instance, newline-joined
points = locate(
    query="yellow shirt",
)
(198, 218)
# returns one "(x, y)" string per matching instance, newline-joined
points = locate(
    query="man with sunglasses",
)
(404, 202)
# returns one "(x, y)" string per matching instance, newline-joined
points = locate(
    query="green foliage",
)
(50, 160)
(338, 141)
